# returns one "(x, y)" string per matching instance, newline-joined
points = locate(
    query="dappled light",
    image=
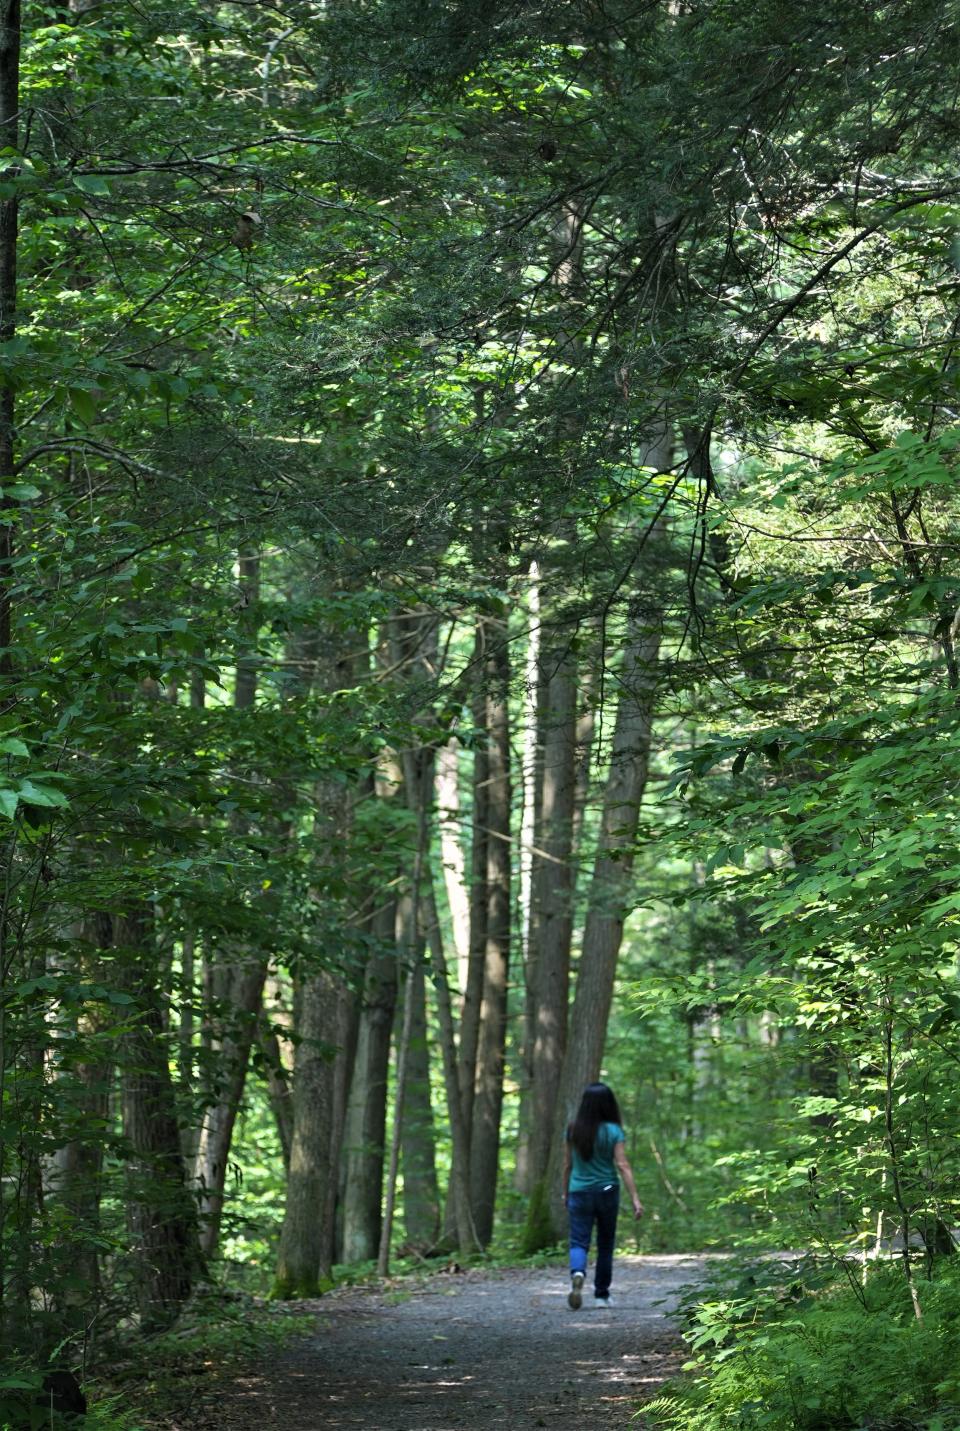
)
(479, 677)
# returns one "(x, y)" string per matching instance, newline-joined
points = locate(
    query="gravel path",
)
(478, 1349)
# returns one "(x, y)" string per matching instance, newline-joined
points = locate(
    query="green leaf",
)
(91, 184)
(83, 405)
(40, 794)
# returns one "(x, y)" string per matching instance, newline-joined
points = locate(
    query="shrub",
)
(850, 1357)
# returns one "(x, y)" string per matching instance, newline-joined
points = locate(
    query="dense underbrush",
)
(803, 1348)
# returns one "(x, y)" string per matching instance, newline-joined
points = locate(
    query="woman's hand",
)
(637, 1207)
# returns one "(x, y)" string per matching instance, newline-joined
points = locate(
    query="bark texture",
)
(552, 896)
(304, 1263)
(421, 1205)
(488, 1094)
(236, 988)
(161, 1211)
(365, 1133)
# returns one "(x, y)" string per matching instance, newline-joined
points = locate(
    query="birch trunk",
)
(452, 854)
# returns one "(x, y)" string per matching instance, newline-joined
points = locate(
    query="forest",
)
(480, 612)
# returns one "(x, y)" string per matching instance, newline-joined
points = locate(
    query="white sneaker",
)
(576, 1291)
(603, 1302)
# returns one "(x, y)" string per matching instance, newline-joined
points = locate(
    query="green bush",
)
(851, 1357)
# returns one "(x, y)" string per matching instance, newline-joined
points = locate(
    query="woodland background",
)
(479, 587)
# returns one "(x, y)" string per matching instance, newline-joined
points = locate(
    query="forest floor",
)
(475, 1349)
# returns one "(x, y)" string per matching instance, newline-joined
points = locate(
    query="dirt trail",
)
(474, 1350)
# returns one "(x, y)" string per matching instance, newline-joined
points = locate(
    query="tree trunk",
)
(488, 1095)
(347, 1015)
(610, 885)
(472, 985)
(74, 1172)
(458, 1223)
(586, 721)
(278, 1085)
(304, 1263)
(237, 991)
(421, 1205)
(479, 841)
(325, 1029)
(245, 680)
(532, 777)
(364, 1138)
(452, 853)
(235, 985)
(161, 1212)
(552, 929)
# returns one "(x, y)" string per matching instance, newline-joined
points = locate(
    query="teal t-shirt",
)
(598, 1170)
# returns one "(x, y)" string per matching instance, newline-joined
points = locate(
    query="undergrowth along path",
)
(478, 1349)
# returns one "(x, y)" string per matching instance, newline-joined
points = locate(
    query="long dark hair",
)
(598, 1105)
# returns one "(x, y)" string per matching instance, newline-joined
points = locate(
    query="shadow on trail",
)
(475, 1350)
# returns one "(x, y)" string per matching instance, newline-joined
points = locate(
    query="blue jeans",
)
(588, 1206)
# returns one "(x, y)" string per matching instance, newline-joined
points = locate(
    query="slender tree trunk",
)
(237, 991)
(325, 1030)
(161, 1212)
(472, 985)
(610, 886)
(400, 1092)
(460, 1226)
(347, 1015)
(185, 1022)
(415, 643)
(532, 778)
(245, 688)
(367, 1109)
(74, 1173)
(421, 1204)
(488, 1096)
(586, 721)
(452, 853)
(553, 895)
(278, 1084)
(236, 984)
(479, 901)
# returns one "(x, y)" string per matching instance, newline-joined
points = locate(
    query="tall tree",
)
(491, 1047)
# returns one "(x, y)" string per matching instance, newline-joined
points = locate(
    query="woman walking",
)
(594, 1155)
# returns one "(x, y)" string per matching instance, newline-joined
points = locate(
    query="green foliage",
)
(795, 1359)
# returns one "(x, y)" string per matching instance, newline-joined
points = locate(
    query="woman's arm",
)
(565, 1185)
(626, 1172)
